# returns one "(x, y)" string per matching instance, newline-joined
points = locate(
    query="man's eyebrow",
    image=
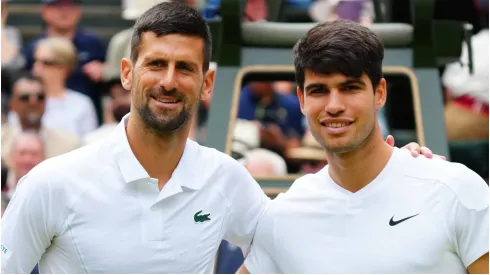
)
(150, 58)
(315, 85)
(350, 81)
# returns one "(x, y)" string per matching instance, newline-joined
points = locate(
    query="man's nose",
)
(335, 103)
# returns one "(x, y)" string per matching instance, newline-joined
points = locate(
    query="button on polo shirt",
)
(96, 210)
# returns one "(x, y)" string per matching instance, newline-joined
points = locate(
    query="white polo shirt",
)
(418, 216)
(96, 210)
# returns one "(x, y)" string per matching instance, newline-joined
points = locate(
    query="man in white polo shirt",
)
(146, 199)
(373, 208)
(103, 208)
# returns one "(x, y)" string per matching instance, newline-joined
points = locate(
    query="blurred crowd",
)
(62, 90)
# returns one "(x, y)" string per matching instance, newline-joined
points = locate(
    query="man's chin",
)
(33, 119)
(340, 148)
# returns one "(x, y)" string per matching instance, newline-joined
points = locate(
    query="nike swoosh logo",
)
(393, 223)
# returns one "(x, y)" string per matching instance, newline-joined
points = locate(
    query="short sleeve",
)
(470, 217)
(31, 220)
(471, 233)
(248, 202)
(260, 259)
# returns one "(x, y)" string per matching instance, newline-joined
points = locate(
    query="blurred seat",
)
(101, 17)
(275, 34)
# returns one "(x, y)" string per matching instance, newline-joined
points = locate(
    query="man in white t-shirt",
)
(146, 199)
(373, 208)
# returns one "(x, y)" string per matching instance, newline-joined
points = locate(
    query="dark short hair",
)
(172, 18)
(25, 75)
(340, 46)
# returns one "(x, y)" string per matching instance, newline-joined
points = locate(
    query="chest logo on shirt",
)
(393, 223)
(201, 218)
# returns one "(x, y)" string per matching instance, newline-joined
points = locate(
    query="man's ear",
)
(301, 98)
(380, 94)
(126, 73)
(208, 85)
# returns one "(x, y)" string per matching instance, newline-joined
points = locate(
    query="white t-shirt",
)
(96, 210)
(74, 113)
(418, 216)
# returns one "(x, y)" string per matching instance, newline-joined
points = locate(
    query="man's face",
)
(27, 153)
(62, 15)
(121, 101)
(167, 80)
(28, 101)
(341, 110)
(46, 66)
(262, 88)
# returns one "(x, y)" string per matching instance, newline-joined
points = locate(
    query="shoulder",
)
(79, 97)
(216, 162)
(59, 174)
(66, 137)
(72, 166)
(87, 36)
(464, 184)
(32, 43)
(304, 191)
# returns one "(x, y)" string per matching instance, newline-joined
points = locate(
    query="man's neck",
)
(356, 169)
(55, 90)
(69, 34)
(30, 127)
(158, 155)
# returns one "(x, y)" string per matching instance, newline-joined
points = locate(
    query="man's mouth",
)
(336, 124)
(166, 100)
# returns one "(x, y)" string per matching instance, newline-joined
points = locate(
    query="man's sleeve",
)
(247, 203)
(260, 259)
(471, 219)
(29, 224)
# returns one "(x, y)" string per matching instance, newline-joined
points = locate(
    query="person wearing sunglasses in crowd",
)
(28, 101)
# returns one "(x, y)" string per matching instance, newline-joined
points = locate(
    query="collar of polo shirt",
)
(132, 171)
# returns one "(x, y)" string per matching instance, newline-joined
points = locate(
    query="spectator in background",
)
(466, 111)
(310, 155)
(12, 59)
(28, 104)
(66, 109)
(27, 151)
(255, 10)
(61, 18)
(245, 148)
(120, 44)
(120, 104)
(264, 163)
(279, 115)
(361, 11)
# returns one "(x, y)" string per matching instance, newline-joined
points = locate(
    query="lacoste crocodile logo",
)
(201, 218)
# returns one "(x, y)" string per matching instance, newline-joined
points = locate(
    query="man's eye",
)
(157, 63)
